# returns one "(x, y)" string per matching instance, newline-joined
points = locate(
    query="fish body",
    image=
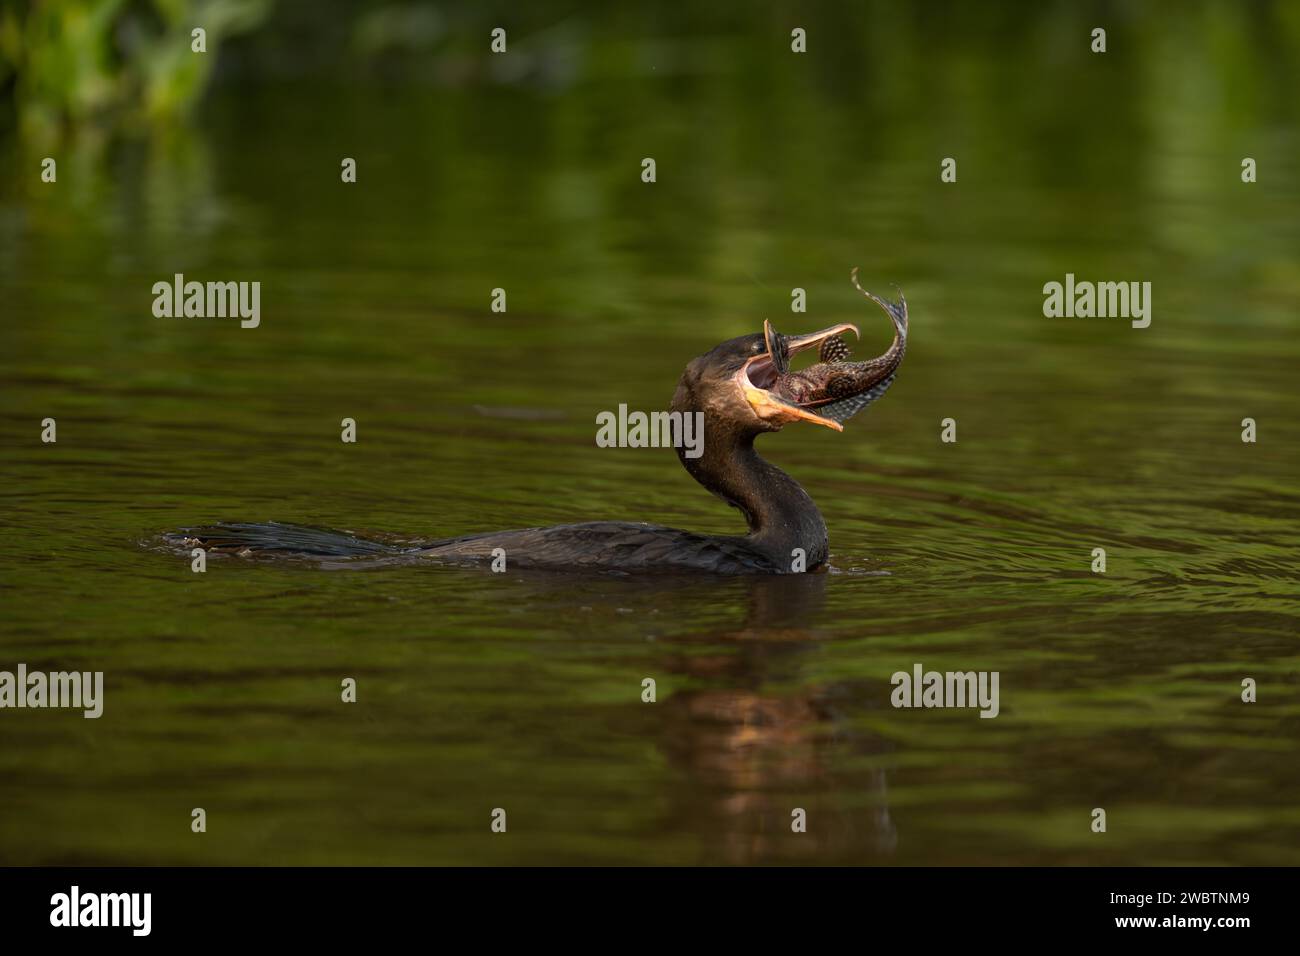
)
(836, 387)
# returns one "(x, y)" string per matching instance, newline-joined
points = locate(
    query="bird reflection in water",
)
(758, 740)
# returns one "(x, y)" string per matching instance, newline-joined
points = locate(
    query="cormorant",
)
(744, 388)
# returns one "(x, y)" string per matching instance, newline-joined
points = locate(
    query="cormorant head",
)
(733, 383)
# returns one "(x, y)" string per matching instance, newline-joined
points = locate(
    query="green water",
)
(523, 691)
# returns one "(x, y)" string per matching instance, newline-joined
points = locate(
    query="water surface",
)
(523, 691)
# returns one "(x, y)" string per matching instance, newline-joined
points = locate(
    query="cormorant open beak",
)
(757, 376)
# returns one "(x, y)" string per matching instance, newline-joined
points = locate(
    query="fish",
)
(836, 387)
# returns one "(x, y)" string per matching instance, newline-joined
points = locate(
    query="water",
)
(523, 691)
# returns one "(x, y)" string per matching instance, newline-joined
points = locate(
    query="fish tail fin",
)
(897, 311)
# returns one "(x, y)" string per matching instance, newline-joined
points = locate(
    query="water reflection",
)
(752, 742)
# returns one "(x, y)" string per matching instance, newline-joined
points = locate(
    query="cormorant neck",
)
(780, 514)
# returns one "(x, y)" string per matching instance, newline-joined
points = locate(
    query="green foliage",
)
(71, 62)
